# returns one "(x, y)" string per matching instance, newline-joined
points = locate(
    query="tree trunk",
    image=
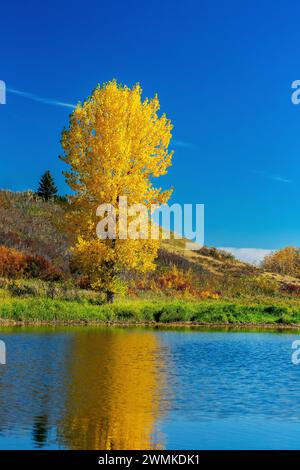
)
(110, 297)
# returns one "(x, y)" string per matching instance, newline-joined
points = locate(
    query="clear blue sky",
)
(223, 73)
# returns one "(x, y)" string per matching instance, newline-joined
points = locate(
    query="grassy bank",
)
(45, 310)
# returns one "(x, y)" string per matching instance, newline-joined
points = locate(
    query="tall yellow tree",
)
(116, 144)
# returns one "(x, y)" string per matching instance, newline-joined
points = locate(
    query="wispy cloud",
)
(249, 255)
(280, 179)
(270, 176)
(183, 144)
(41, 99)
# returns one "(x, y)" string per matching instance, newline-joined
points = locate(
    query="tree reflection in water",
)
(113, 395)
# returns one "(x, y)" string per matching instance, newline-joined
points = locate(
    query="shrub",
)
(263, 285)
(171, 280)
(22, 288)
(54, 290)
(37, 266)
(15, 264)
(285, 261)
(210, 294)
(213, 252)
(291, 289)
(175, 279)
(12, 262)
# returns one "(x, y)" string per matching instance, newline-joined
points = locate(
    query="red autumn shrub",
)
(292, 289)
(37, 266)
(16, 264)
(12, 262)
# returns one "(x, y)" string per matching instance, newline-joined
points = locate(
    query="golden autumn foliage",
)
(284, 261)
(115, 145)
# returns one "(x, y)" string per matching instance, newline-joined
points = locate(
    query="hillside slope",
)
(219, 268)
(32, 225)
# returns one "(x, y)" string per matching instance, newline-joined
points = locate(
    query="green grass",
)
(34, 310)
(36, 301)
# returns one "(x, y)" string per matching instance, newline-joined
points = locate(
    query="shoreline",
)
(8, 322)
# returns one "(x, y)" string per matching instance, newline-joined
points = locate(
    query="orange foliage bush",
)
(209, 294)
(175, 280)
(16, 264)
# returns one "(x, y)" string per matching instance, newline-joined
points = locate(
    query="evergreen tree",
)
(47, 188)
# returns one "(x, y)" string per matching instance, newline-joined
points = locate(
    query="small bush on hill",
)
(220, 255)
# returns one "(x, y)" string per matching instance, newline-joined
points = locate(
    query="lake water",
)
(137, 388)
